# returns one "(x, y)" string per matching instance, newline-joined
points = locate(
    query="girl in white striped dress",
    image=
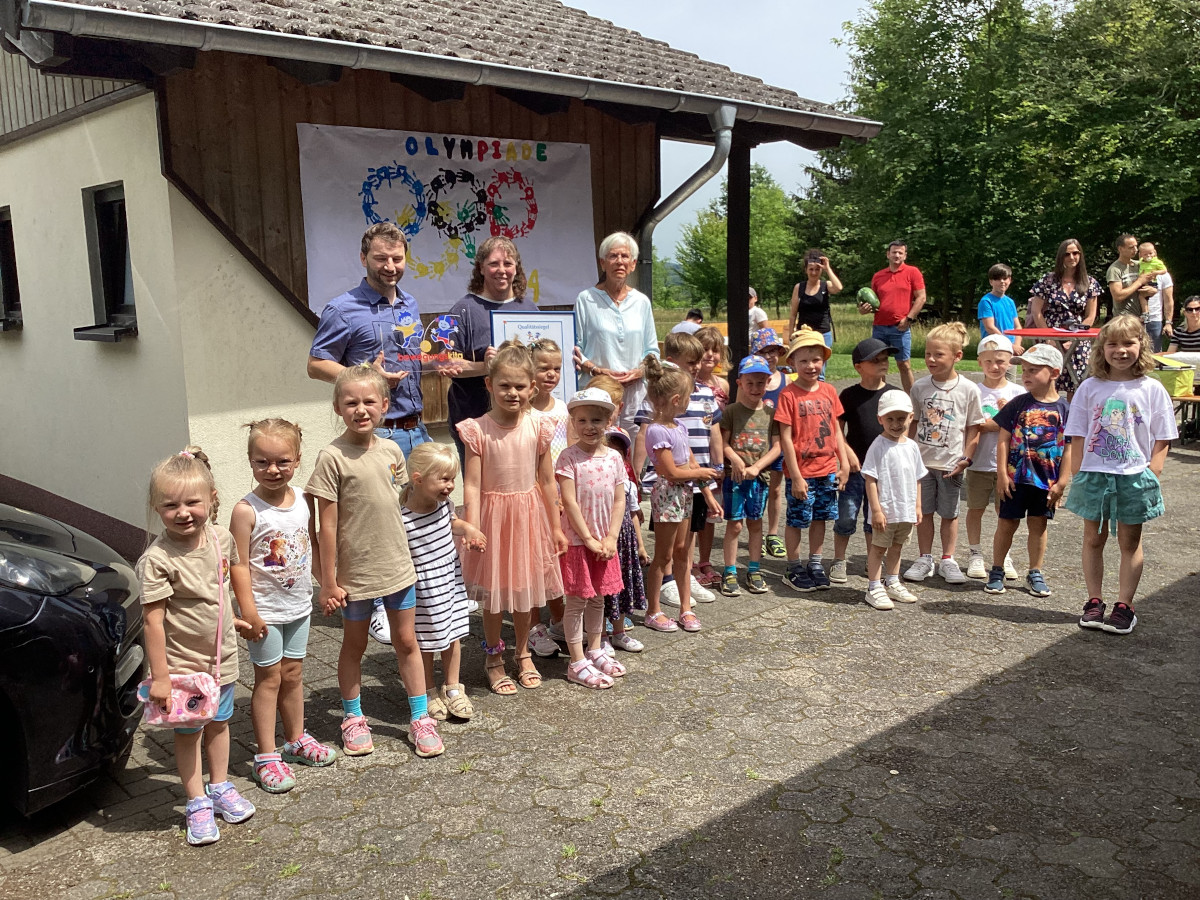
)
(441, 612)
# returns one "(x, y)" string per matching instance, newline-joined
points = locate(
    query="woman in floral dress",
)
(1067, 297)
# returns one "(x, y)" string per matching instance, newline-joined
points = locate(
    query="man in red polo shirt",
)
(901, 292)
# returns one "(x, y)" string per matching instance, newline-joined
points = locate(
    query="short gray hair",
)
(618, 239)
(754, 293)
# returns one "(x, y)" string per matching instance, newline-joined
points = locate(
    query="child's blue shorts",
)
(224, 709)
(289, 639)
(360, 610)
(820, 504)
(744, 499)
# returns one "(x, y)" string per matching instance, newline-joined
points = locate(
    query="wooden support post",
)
(737, 253)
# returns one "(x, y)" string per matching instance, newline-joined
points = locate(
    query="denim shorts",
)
(820, 504)
(1128, 499)
(850, 501)
(289, 639)
(901, 341)
(360, 610)
(224, 710)
(744, 500)
(940, 494)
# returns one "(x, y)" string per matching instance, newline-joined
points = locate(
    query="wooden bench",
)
(780, 325)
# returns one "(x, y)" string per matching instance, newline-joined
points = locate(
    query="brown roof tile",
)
(542, 35)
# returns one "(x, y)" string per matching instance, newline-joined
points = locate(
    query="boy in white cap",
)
(995, 355)
(1030, 449)
(892, 470)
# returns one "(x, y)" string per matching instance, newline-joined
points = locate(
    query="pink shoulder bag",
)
(194, 698)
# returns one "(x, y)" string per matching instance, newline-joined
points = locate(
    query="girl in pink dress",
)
(510, 495)
(591, 477)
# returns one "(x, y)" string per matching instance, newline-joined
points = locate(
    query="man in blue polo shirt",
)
(355, 324)
(355, 327)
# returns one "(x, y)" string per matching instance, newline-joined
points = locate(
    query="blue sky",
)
(789, 44)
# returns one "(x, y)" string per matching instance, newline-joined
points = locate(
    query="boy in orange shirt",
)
(814, 458)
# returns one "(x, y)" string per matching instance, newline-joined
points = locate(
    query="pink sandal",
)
(606, 664)
(706, 574)
(688, 622)
(586, 674)
(660, 622)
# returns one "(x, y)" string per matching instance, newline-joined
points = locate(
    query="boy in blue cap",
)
(751, 443)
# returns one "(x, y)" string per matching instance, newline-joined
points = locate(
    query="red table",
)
(1059, 338)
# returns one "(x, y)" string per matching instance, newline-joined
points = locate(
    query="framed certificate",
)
(530, 327)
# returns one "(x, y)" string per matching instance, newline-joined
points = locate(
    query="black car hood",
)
(19, 526)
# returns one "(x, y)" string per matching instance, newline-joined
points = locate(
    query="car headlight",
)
(29, 569)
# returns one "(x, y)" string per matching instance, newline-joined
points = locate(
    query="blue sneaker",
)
(995, 580)
(1036, 582)
(201, 824)
(228, 803)
(817, 573)
(798, 579)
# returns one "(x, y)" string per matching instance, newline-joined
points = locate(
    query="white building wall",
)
(217, 345)
(82, 419)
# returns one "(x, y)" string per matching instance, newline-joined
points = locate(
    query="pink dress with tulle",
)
(519, 570)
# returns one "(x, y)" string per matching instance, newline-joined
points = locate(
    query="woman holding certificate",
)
(614, 326)
(497, 282)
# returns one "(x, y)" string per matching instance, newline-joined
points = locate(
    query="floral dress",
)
(1061, 310)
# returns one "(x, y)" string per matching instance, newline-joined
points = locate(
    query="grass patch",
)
(569, 851)
(290, 870)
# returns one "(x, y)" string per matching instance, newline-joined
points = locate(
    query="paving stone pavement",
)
(969, 746)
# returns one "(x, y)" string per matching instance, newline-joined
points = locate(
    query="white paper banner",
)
(448, 193)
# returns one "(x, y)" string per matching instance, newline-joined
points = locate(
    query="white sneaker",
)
(898, 592)
(627, 642)
(380, 628)
(950, 572)
(976, 567)
(540, 642)
(877, 598)
(700, 593)
(669, 596)
(921, 569)
(472, 606)
(837, 571)
(1010, 571)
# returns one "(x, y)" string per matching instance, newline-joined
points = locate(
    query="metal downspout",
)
(721, 120)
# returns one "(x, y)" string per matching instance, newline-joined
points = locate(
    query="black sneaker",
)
(1093, 614)
(816, 572)
(1121, 620)
(798, 579)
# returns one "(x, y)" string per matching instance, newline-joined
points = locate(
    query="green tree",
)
(773, 245)
(1008, 126)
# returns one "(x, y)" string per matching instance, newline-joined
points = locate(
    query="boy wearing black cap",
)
(861, 425)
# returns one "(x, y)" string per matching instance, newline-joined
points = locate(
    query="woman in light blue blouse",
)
(614, 326)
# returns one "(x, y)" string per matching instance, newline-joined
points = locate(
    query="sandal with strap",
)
(660, 622)
(586, 674)
(688, 622)
(456, 700)
(606, 664)
(706, 574)
(530, 679)
(504, 686)
(273, 775)
(436, 707)
(308, 751)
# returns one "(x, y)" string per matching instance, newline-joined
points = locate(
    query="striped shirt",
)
(441, 613)
(1187, 341)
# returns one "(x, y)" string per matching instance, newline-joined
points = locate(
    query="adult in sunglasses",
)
(1067, 297)
(1186, 338)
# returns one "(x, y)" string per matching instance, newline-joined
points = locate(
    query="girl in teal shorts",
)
(1121, 425)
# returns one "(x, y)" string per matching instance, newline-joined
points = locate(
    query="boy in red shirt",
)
(814, 458)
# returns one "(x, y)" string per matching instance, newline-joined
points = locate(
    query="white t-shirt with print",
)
(1119, 421)
(992, 399)
(1154, 309)
(943, 411)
